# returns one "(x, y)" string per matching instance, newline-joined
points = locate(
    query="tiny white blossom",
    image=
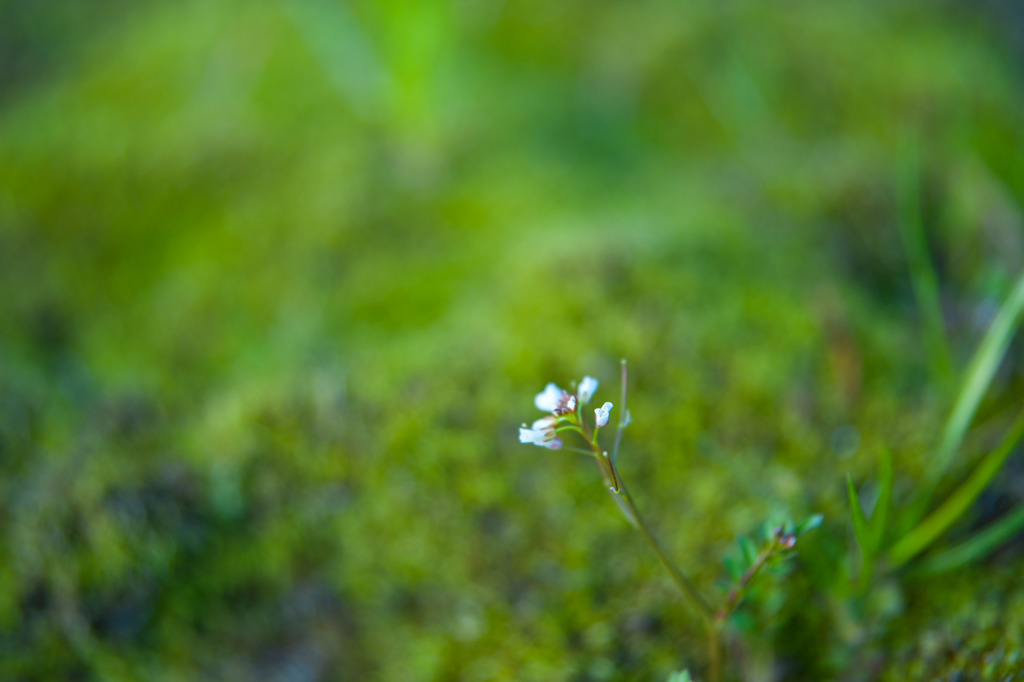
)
(555, 400)
(545, 423)
(542, 433)
(601, 414)
(587, 388)
(549, 399)
(627, 419)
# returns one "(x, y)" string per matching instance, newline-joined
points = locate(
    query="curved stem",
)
(737, 593)
(678, 577)
(629, 509)
(715, 651)
(632, 514)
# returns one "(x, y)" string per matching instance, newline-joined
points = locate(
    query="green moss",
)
(280, 280)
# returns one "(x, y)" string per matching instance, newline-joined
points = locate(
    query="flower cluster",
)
(566, 412)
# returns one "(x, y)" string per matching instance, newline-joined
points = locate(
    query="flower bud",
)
(586, 390)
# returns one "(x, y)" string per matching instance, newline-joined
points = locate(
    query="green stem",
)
(678, 577)
(715, 651)
(737, 593)
(632, 514)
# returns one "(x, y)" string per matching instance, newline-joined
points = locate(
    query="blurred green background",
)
(280, 279)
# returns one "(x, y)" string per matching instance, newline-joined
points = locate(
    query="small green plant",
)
(777, 544)
(891, 538)
(894, 541)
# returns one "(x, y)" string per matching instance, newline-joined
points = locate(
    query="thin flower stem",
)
(629, 509)
(678, 577)
(606, 466)
(715, 651)
(632, 514)
(737, 593)
(622, 415)
(603, 463)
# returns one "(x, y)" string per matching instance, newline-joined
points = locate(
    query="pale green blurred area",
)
(279, 280)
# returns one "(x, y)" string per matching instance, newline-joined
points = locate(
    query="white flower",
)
(567, 406)
(601, 414)
(545, 424)
(549, 399)
(587, 388)
(627, 420)
(555, 400)
(542, 433)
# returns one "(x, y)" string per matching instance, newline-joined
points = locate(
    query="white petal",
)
(587, 388)
(549, 398)
(545, 423)
(601, 414)
(527, 435)
(553, 444)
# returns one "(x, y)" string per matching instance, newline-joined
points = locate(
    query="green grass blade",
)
(810, 523)
(880, 517)
(976, 381)
(862, 531)
(922, 273)
(976, 547)
(918, 539)
(345, 52)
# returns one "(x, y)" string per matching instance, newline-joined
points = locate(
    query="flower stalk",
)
(566, 414)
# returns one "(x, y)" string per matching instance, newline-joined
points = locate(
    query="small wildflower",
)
(549, 399)
(556, 401)
(566, 406)
(542, 433)
(587, 388)
(627, 420)
(601, 414)
(545, 423)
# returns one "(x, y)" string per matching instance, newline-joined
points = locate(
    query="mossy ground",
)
(279, 280)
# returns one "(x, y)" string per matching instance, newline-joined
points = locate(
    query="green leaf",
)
(976, 381)
(918, 539)
(880, 517)
(865, 538)
(733, 567)
(922, 272)
(810, 523)
(977, 546)
(744, 621)
(749, 549)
